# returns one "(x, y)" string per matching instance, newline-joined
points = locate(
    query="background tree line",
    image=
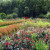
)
(22, 8)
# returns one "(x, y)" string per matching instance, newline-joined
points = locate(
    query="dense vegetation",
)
(21, 8)
(26, 35)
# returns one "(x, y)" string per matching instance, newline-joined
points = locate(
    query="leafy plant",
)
(2, 15)
(7, 38)
(34, 36)
(48, 15)
(1, 20)
(0, 47)
(39, 45)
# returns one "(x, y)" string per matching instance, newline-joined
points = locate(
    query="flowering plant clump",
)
(24, 41)
(26, 17)
(11, 22)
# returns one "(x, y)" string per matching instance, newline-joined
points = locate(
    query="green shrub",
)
(41, 16)
(48, 15)
(2, 15)
(0, 47)
(39, 45)
(13, 15)
(34, 36)
(9, 16)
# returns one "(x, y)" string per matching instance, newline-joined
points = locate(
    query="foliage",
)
(15, 15)
(25, 7)
(48, 15)
(9, 16)
(39, 45)
(2, 15)
(1, 47)
(34, 36)
(41, 24)
(41, 16)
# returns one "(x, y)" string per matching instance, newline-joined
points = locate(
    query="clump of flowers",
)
(26, 17)
(24, 41)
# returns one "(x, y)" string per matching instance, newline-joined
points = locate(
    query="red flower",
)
(22, 31)
(49, 26)
(33, 41)
(47, 37)
(18, 35)
(21, 38)
(7, 43)
(26, 17)
(23, 34)
(24, 49)
(32, 44)
(18, 39)
(26, 37)
(48, 31)
(30, 33)
(26, 33)
(45, 40)
(11, 35)
(19, 28)
(16, 44)
(29, 39)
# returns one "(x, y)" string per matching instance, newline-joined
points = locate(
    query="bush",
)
(48, 15)
(41, 16)
(9, 16)
(13, 15)
(2, 15)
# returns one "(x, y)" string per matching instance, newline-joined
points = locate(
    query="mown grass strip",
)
(3, 26)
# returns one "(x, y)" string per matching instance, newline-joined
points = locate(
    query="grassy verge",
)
(3, 26)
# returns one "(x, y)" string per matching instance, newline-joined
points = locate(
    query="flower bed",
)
(11, 22)
(26, 41)
(9, 29)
